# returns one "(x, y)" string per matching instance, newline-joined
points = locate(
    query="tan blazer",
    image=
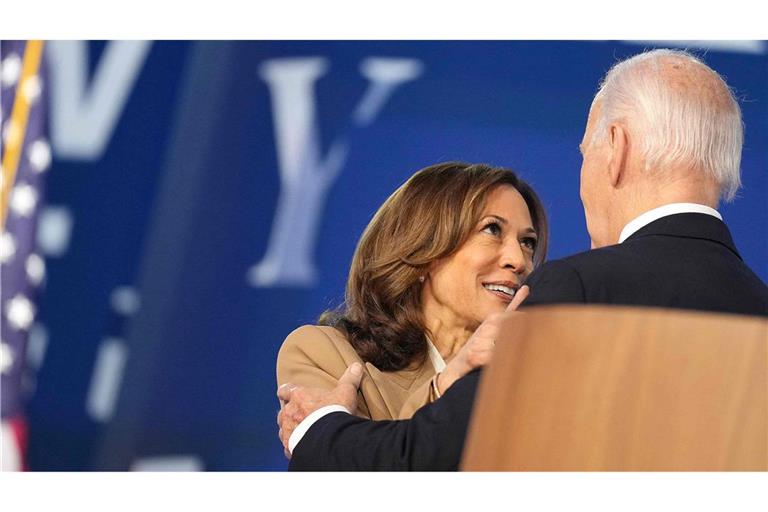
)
(317, 356)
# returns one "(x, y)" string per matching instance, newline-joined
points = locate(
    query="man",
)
(661, 147)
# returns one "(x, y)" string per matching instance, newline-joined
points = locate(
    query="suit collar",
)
(662, 211)
(689, 225)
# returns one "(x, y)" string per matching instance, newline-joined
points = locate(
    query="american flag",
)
(26, 156)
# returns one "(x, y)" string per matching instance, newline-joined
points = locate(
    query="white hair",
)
(700, 128)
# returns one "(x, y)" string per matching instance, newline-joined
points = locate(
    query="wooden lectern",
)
(605, 388)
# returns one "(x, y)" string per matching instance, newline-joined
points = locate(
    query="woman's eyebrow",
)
(497, 217)
(501, 219)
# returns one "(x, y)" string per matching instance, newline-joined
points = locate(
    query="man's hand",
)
(478, 350)
(296, 403)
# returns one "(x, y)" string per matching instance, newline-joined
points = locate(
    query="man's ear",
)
(618, 141)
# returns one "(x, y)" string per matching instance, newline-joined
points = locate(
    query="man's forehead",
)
(594, 111)
(594, 108)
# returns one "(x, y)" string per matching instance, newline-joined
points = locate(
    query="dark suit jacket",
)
(683, 261)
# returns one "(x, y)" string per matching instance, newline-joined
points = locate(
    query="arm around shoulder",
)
(430, 441)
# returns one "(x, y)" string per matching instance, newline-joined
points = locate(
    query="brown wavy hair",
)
(427, 218)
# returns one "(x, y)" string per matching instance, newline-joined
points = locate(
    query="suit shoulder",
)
(313, 339)
(568, 268)
(594, 256)
(555, 282)
(567, 280)
(316, 343)
(584, 265)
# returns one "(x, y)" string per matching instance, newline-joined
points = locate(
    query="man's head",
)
(663, 128)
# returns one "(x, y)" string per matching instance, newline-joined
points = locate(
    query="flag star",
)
(40, 155)
(6, 358)
(7, 247)
(10, 70)
(23, 199)
(35, 269)
(31, 88)
(20, 312)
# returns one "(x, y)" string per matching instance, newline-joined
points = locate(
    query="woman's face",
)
(483, 275)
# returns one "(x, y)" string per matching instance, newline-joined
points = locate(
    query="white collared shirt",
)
(663, 211)
(434, 357)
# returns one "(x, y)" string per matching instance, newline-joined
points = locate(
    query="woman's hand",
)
(478, 350)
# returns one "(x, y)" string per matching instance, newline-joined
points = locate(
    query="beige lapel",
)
(395, 387)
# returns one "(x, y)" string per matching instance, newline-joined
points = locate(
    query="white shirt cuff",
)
(310, 420)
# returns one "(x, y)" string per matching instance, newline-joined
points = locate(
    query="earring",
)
(421, 279)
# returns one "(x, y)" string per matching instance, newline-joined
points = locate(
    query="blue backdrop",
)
(213, 206)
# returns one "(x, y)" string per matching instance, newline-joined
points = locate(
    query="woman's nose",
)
(512, 257)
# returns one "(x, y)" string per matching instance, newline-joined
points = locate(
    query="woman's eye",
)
(492, 228)
(529, 243)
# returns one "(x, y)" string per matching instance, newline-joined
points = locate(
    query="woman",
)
(450, 247)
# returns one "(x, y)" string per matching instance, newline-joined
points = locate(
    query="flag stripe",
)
(19, 116)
